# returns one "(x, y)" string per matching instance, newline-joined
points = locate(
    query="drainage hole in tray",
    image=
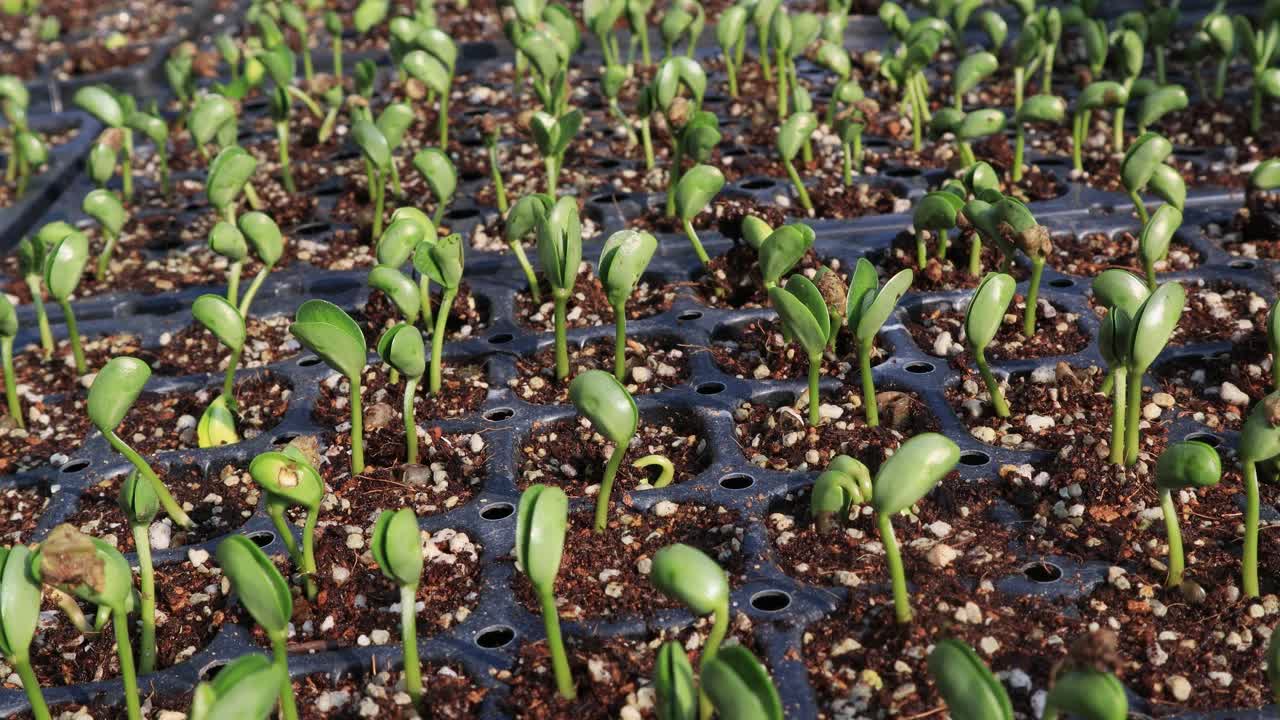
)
(262, 538)
(284, 439)
(309, 361)
(498, 511)
(495, 636)
(499, 414)
(74, 466)
(974, 458)
(689, 315)
(758, 184)
(1062, 283)
(1042, 572)
(737, 482)
(920, 368)
(1207, 438)
(710, 388)
(771, 601)
(501, 339)
(1242, 264)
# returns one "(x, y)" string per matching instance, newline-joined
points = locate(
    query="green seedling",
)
(906, 477)
(246, 688)
(683, 19)
(27, 151)
(370, 13)
(441, 177)
(666, 469)
(1129, 54)
(289, 480)
(1044, 109)
(868, 306)
(623, 260)
(978, 181)
(140, 505)
(9, 331)
(1019, 230)
(803, 311)
(31, 254)
(402, 348)
(1273, 342)
(1098, 95)
(229, 175)
(1093, 33)
(264, 237)
(409, 233)
(1144, 168)
(64, 263)
(971, 71)
(1264, 178)
(674, 684)
(213, 117)
(434, 66)
(1259, 49)
(156, 130)
(226, 240)
(541, 522)
(548, 45)
(688, 125)
(762, 20)
(1088, 694)
(19, 615)
(377, 155)
(936, 213)
(113, 111)
(687, 575)
(523, 219)
(731, 36)
(402, 292)
(982, 321)
(1216, 34)
(113, 392)
(600, 16)
(294, 18)
(92, 570)
(845, 484)
(1160, 102)
(1026, 53)
(611, 82)
(265, 595)
(1259, 442)
(560, 252)
(492, 130)
(697, 188)
(739, 686)
(280, 66)
(103, 157)
(393, 122)
(397, 548)
(553, 135)
(1183, 466)
(442, 262)
(975, 126)
(966, 684)
(603, 400)
(1157, 234)
(792, 136)
(638, 21)
(780, 249)
(329, 332)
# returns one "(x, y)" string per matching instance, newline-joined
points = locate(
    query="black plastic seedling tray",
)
(779, 606)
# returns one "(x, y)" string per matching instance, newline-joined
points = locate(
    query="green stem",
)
(529, 275)
(147, 594)
(1249, 561)
(443, 122)
(1150, 267)
(1049, 52)
(120, 623)
(870, 408)
(409, 641)
(910, 92)
(42, 318)
(104, 260)
(732, 72)
(73, 334)
(308, 72)
(559, 659)
(922, 91)
(357, 427)
(10, 382)
(275, 510)
(1117, 130)
(1018, 145)
(799, 186)
(897, 574)
(1019, 84)
(1160, 64)
(309, 571)
(126, 167)
(337, 59)
(1033, 298)
(620, 341)
(975, 257)
(437, 337)
(499, 189)
(1170, 512)
(1118, 378)
(966, 154)
(673, 177)
(815, 398)
(616, 111)
(560, 298)
(410, 427)
(233, 281)
(282, 141)
(606, 487)
(993, 388)
(847, 164)
(31, 686)
(424, 296)
(549, 164)
(1219, 82)
(229, 380)
(782, 87)
(162, 155)
(280, 658)
(1133, 417)
(922, 253)
(647, 140)
(379, 192)
(171, 506)
(697, 244)
(1077, 139)
(249, 294)
(1139, 206)
(715, 638)
(326, 127)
